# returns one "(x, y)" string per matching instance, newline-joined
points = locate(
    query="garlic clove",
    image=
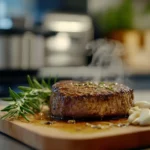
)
(133, 109)
(144, 118)
(133, 116)
(136, 121)
(142, 104)
(136, 108)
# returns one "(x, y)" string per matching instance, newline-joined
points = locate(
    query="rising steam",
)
(106, 56)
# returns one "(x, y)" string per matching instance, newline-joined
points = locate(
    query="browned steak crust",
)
(76, 99)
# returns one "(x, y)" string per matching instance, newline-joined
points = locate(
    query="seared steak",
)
(74, 99)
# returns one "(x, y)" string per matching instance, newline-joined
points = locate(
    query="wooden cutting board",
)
(54, 138)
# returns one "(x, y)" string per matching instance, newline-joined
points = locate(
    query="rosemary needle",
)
(28, 101)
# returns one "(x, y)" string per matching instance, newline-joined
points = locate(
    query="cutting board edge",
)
(32, 139)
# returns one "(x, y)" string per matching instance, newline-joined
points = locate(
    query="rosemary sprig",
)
(28, 101)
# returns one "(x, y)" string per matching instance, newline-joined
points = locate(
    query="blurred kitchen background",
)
(71, 39)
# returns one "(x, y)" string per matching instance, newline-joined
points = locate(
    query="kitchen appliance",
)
(21, 49)
(10, 48)
(67, 47)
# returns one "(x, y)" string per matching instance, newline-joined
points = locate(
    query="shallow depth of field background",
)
(86, 40)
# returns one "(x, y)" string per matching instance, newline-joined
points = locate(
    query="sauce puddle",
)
(43, 119)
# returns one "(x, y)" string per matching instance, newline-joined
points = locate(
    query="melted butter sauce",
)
(43, 119)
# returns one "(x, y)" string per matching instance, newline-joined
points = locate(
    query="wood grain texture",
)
(44, 138)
